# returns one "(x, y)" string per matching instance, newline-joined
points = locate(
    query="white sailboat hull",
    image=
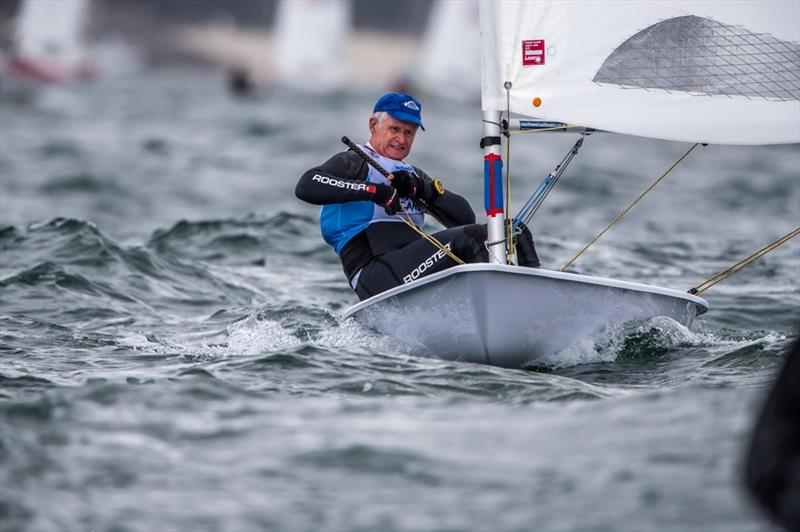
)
(511, 316)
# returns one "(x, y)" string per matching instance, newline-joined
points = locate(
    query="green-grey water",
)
(172, 354)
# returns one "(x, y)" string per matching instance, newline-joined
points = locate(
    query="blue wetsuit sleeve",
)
(340, 179)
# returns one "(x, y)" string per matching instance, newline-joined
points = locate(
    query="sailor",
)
(363, 211)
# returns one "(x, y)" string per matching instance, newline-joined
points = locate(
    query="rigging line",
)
(488, 245)
(408, 221)
(536, 199)
(430, 238)
(721, 276)
(510, 248)
(629, 207)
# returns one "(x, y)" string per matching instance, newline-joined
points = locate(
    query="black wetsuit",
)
(385, 253)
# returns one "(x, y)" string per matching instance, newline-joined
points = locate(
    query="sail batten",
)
(716, 72)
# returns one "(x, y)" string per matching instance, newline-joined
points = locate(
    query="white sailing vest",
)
(391, 165)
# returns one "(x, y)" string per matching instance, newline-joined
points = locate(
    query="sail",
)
(450, 54)
(713, 71)
(52, 31)
(310, 42)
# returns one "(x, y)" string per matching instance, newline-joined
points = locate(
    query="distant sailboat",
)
(310, 43)
(701, 72)
(449, 64)
(48, 42)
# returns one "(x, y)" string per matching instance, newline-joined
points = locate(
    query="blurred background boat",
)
(48, 45)
(310, 38)
(448, 63)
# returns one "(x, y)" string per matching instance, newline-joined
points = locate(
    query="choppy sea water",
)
(172, 355)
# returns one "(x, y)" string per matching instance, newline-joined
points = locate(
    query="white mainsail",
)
(310, 43)
(712, 71)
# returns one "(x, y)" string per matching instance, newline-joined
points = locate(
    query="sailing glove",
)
(408, 185)
(388, 197)
(526, 250)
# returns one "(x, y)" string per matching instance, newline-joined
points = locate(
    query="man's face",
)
(392, 138)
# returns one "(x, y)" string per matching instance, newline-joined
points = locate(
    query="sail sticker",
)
(526, 125)
(533, 52)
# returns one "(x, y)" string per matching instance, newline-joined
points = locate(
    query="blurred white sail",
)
(450, 57)
(48, 43)
(713, 71)
(310, 43)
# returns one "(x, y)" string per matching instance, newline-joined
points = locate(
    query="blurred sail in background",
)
(310, 44)
(449, 61)
(48, 42)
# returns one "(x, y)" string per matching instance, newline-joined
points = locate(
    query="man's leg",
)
(421, 258)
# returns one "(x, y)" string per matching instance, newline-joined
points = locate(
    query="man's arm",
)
(341, 178)
(449, 208)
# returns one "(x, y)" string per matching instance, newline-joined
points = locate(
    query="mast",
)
(493, 187)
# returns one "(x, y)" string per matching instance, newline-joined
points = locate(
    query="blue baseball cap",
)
(401, 106)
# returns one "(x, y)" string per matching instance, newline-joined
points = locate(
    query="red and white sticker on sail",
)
(533, 52)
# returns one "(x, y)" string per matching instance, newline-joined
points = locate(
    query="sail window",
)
(702, 56)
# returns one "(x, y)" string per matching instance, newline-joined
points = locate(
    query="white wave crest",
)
(252, 336)
(603, 346)
(349, 334)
